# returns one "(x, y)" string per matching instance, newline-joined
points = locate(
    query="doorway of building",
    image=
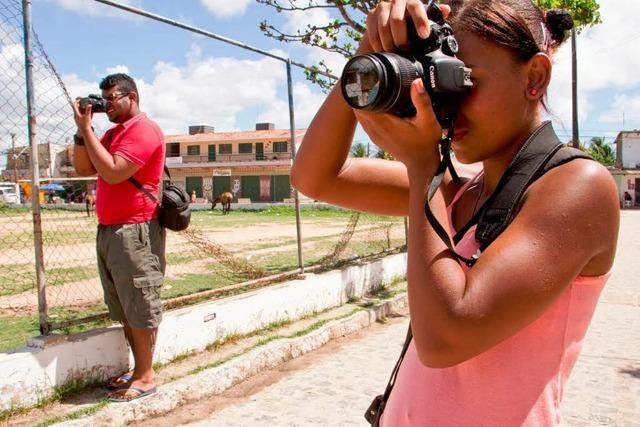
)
(194, 183)
(636, 199)
(221, 184)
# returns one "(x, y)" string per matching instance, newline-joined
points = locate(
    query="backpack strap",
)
(541, 152)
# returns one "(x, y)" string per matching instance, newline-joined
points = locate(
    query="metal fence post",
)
(35, 172)
(293, 155)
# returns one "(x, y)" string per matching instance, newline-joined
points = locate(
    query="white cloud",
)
(217, 91)
(305, 103)
(118, 69)
(225, 8)
(629, 105)
(205, 90)
(92, 8)
(605, 62)
(300, 20)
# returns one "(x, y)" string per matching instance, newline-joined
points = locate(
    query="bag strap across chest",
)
(541, 152)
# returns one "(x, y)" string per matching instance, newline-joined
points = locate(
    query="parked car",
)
(9, 193)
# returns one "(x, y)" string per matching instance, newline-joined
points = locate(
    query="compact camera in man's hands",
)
(381, 82)
(97, 102)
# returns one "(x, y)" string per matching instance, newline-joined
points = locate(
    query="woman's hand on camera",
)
(414, 140)
(387, 26)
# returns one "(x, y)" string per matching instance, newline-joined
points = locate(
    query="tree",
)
(343, 31)
(601, 151)
(358, 149)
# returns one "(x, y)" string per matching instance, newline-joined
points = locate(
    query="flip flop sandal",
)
(140, 393)
(114, 384)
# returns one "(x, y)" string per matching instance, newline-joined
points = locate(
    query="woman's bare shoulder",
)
(580, 195)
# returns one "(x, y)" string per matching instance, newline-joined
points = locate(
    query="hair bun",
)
(558, 21)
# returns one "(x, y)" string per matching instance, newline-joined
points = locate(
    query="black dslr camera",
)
(381, 82)
(97, 102)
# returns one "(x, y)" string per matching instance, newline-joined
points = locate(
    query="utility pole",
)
(574, 87)
(15, 158)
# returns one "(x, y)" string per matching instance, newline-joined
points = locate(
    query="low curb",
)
(216, 380)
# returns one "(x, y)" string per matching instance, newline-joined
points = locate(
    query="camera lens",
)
(361, 81)
(380, 82)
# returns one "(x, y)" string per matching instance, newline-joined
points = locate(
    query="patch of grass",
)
(192, 283)
(50, 237)
(71, 387)
(58, 394)
(86, 412)
(8, 210)
(18, 278)
(14, 331)
(265, 340)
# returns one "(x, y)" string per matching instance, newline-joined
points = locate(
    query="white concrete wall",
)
(30, 374)
(631, 151)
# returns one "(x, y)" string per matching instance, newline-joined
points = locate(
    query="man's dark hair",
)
(122, 81)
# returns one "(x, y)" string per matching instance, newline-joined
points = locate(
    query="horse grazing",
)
(225, 200)
(90, 203)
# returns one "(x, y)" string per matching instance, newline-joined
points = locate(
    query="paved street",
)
(333, 386)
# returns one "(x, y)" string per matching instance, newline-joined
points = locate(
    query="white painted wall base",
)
(31, 373)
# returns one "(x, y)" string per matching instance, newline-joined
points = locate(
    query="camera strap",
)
(541, 152)
(445, 163)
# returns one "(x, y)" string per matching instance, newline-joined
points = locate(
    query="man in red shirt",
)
(130, 242)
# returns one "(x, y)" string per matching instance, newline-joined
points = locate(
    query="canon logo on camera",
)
(432, 76)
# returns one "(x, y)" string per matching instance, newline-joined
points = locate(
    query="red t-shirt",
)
(140, 141)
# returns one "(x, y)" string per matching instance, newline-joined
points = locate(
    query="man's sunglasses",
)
(115, 96)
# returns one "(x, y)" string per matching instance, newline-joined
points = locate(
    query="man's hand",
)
(83, 119)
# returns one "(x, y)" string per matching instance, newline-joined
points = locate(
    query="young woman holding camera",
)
(492, 344)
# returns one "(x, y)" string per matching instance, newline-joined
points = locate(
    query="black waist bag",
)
(174, 212)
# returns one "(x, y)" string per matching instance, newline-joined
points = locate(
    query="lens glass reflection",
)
(362, 82)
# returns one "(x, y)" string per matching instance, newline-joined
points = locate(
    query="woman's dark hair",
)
(518, 25)
(122, 81)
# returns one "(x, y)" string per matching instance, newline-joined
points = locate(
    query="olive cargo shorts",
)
(131, 263)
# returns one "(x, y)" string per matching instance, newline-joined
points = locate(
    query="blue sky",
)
(187, 79)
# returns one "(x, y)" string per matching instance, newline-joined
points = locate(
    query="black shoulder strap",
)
(541, 152)
(396, 368)
(445, 146)
(144, 190)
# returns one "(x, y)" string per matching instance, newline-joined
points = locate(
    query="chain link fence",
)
(217, 256)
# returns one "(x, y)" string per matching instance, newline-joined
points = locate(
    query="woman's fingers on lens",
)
(418, 14)
(398, 24)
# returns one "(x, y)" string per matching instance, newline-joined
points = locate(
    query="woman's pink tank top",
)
(518, 382)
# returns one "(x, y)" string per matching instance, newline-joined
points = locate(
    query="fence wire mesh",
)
(216, 252)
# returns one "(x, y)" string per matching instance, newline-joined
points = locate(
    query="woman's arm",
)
(323, 170)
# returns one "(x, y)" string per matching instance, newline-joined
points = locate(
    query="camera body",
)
(97, 102)
(381, 82)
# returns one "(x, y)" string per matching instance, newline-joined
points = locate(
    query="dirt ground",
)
(87, 292)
